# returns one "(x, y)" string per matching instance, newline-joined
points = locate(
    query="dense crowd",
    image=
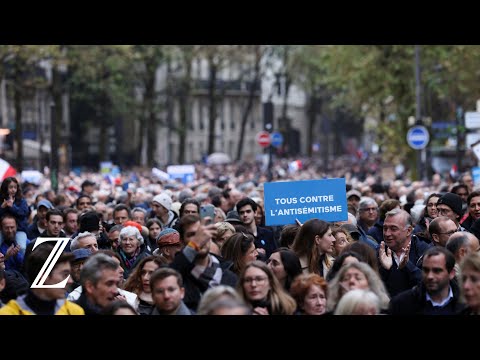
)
(138, 244)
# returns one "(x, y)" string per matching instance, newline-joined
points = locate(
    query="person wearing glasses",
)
(130, 249)
(367, 213)
(440, 229)
(450, 205)
(261, 290)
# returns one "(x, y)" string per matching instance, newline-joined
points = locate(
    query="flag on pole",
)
(6, 170)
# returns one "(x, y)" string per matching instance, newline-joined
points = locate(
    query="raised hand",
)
(12, 251)
(260, 311)
(385, 256)
(405, 259)
(204, 234)
(2, 261)
(10, 201)
(261, 251)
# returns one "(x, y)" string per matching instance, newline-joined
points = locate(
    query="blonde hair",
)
(223, 227)
(215, 294)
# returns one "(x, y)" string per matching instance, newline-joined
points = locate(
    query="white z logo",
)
(52, 259)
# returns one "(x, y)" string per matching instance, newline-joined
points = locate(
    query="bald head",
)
(462, 243)
(440, 229)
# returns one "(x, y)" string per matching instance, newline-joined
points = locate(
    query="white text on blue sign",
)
(287, 201)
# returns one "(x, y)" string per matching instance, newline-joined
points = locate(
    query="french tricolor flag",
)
(294, 166)
(6, 170)
(454, 171)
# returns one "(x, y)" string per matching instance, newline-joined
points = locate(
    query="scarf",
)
(129, 261)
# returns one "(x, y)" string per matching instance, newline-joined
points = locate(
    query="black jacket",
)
(265, 240)
(414, 302)
(397, 280)
(195, 288)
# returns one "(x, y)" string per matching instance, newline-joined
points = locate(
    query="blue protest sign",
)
(184, 172)
(476, 176)
(304, 200)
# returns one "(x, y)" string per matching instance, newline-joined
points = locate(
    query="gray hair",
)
(366, 201)
(375, 284)
(114, 228)
(352, 219)
(349, 301)
(130, 231)
(139, 209)
(94, 266)
(406, 216)
(185, 194)
(75, 242)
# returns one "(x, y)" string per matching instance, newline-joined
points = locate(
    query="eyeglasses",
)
(448, 232)
(443, 211)
(369, 209)
(260, 280)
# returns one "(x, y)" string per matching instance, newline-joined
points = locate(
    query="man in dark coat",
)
(437, 294)
(399, 253)
(199, 268)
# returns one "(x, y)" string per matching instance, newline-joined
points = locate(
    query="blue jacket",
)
(20, 211)
(365, 239)
(376, 231)
(20, 239)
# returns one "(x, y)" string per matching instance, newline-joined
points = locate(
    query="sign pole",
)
(418, 109)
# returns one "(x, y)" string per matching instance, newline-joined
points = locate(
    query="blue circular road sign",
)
(418, 137)
(276, 139)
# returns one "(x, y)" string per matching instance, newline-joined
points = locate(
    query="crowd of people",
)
(139, 245)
